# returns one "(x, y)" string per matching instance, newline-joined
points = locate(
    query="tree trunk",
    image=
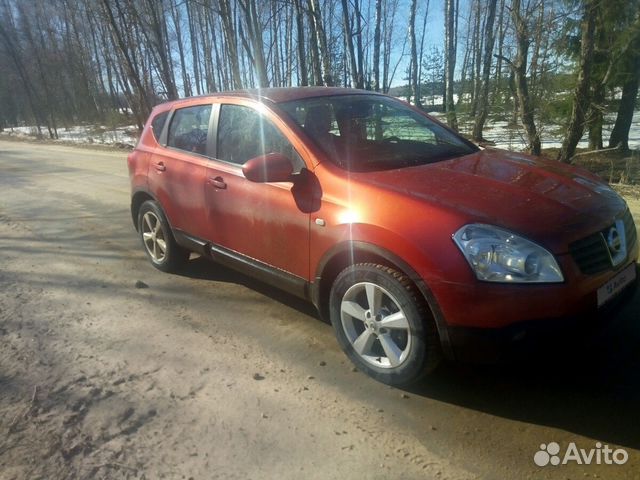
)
(13, 51)
(501, 34)
(483, 102)
(194, 48)
(421, 52)
(620, 132)
(314, 47)
(359, 48)
(133, 74)
(519, 70)
(303, 76)
(450, 61)
(596, 117)
(388, 22)
(230, 36)
(255, 50)
(463, 73)
(320, 38)
(175, 16)
(154, 34)
(534, 71)
(413, 65)
(581, 97)
(477, 61)
(376, 47)
(348, 38)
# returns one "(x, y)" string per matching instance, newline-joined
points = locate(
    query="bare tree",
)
(8, 35)
(320, 51)
(483, 102)
(413, 65)
(581, 96)
(390, 7)
(502, 30)
(357, 78)
(228, 25)
(477, 42)
(421, 51)
(303, 77)
(629, 72)
(254, 31)
(519, 71)
(376, 47)
(153, 20)
(451, 14)
(628, 101)
(139, 96)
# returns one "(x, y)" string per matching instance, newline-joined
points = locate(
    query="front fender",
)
(350, 251)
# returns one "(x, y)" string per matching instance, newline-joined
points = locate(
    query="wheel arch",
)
(352, 252)
(137, 200)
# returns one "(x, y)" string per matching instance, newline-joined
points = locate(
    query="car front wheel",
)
(383, 325)
(160, 246)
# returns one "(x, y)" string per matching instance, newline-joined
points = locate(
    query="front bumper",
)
(489, 345)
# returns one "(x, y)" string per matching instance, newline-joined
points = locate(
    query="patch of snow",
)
(98, 134)
(510, 138)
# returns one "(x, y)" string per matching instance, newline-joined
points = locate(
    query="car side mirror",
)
(271, 167)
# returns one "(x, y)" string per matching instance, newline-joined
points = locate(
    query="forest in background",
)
(570, 62)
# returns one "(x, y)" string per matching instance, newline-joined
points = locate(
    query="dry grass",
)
(614, 166)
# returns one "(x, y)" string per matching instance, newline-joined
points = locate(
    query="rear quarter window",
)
(157, 124)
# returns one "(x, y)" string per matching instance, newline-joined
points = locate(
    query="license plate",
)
(616, 284)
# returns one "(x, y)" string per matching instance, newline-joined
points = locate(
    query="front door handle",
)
(160, 166)
(217, 182)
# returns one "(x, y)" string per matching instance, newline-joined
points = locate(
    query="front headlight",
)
(497, 255)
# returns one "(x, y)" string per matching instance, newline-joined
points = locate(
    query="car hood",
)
(546, 200)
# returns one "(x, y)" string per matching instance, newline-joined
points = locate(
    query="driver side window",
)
(244, 134)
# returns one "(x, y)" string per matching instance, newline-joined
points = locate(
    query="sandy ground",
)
(210, 374)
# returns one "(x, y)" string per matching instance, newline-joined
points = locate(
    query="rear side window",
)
(189, 129)
(157, 124)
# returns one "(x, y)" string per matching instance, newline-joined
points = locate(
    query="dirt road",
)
(212, 375)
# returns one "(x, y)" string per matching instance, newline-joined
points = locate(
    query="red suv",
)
(414, 242)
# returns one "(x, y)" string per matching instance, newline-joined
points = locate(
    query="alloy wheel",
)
(375, 325)
(153, 237)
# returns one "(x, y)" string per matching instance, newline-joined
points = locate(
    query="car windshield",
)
(372, 132)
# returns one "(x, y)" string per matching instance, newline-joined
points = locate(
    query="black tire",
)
(155, 233)
(396, 341)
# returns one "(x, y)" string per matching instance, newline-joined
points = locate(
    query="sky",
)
(434, 36)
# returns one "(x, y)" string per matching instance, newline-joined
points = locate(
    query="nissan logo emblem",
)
(613, 240)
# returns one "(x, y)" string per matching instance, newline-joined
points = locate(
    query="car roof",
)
(278, 95)
(281, 94)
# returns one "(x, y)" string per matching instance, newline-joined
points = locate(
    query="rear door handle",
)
(217, 182)
(160, 166)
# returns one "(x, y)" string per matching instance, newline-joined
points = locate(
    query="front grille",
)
(592, 254)
(629, 230)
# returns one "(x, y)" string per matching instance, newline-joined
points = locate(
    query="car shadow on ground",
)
(588, 386)
(204, 269)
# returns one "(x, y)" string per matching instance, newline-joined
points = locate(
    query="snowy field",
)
(514, 139)
(550, 134)
(89, 134)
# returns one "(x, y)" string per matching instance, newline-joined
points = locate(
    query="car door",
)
(178, 167)
(268, 222)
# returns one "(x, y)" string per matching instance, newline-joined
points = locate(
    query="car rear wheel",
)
(160, 246)
(382, 324)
